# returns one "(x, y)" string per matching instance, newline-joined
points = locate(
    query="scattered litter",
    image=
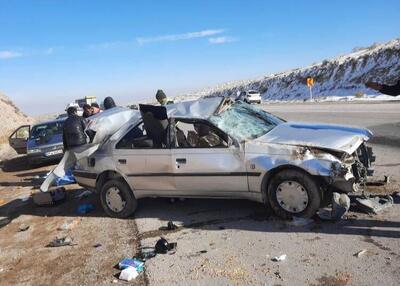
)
(24, 198)
(396, 197)
(147, 253)
(163, 246)
(340, 206)
(84, 209)
(279, 258)
(49, 198)
(67, 179)
(203, 251)
(115, 281)
(63, 241)
(361, 253)
(44, 176)
(374, 205)
(23, 227)
(4, 221)
(128, 274)
(299, 221)
(170, 226)
(84, 194)
(97, 245)
(1, 270)
(131, 262)
(69, 225)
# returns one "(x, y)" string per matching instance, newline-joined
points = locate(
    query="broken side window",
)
(137, 138)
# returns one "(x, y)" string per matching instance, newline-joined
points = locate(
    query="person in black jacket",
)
(109, 103)
(74, 130)
(74, 140)
(392, 90)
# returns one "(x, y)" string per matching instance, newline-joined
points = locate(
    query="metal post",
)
(311, 93)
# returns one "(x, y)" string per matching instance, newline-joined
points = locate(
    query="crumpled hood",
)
(335, 137)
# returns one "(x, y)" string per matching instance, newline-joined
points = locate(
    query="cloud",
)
(221, 40)
(4, 55)
(178, 37)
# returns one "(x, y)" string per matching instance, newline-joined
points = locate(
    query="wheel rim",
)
(114, 200)
(292, 196)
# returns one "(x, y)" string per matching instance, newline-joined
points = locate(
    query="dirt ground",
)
(24, 257)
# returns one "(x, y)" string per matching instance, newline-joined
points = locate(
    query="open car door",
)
(19, 138)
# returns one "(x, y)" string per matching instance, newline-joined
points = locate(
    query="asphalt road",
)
(232, 242)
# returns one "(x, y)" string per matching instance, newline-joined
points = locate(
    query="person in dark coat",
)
(109, 103)
(162, 98)
(73, 130)
(87, 110)
(392, 90)
(74, 140)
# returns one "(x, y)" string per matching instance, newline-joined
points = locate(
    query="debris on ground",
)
(69, 225)
(97, 245)
(361, 253)
(340, 206)
(84, 194)
(49, 198)
(373, 205)
(279, 258)
(23, 227)
(84, 209)
(4, 221)
(170, 226)
(385, 181)
(147, 253)
(131, 267)
(299, 221)
(163, 246)
(67, 179)
(131, 262)
(128, 274)
(63, 241)
(396, 197)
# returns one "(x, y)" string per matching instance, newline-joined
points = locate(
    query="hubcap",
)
(292, 196)
(114, 200)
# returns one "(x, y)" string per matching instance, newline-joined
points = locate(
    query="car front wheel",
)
(117, 199)
(294, 193)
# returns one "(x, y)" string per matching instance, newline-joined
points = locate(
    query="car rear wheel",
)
(294, 193)
(117, 199)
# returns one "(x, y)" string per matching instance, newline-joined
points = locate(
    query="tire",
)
(120, 194)
(304, 196)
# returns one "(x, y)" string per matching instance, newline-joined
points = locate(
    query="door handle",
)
(181, 160)
(122, 161)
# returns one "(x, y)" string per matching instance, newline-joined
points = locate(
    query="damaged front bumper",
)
(351, 173)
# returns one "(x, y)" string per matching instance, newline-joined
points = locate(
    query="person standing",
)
(87, 110)
(109, 103)
(95, 108)
(162, 98)
(73, 138)
(392, 90)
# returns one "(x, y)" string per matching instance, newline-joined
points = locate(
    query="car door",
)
(19, 138)
(144, 159)
(207, 170)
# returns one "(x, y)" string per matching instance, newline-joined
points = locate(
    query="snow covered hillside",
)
(344, 75)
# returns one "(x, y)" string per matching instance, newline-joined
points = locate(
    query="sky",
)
(52, 52)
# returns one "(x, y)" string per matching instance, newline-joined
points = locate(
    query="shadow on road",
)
(208, 214)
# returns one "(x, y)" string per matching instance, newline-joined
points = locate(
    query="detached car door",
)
(206, 164)
(19, 138)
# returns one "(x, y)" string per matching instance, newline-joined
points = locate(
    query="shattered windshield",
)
(48, 129)
(245, 122)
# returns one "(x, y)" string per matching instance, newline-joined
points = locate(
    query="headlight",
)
(31, 151)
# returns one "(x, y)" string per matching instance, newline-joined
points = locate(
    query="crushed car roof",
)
(201, 108)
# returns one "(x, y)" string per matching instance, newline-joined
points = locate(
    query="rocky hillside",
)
(343, 75)
(10, 118)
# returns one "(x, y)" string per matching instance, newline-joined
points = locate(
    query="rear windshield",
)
(244, 121)
(45, 130)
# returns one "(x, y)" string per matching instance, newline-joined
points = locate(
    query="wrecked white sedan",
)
(214, 148)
